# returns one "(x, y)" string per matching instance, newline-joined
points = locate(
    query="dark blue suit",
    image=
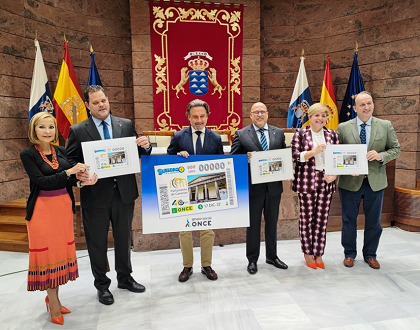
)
(182, 141)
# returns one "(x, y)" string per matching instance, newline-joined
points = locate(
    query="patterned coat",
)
(307, 178)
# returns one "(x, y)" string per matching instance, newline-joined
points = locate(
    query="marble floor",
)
(357, 298)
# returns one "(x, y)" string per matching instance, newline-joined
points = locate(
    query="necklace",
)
(54, 163)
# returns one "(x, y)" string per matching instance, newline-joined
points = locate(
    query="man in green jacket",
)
(382, 145)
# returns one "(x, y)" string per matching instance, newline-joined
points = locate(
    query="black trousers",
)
(270, 205)
(96, 225)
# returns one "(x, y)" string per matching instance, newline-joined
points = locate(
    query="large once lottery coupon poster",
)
(200, 192)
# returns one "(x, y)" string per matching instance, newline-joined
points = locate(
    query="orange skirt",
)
(52, 251)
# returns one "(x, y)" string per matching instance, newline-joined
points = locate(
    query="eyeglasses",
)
(263, 112)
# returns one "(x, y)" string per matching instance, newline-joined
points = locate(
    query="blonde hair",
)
(35, 120)
(317, 107)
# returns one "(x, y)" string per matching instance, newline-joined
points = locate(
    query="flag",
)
(67, 96)
(354, 87)
(94, 78)
(301, 99)
(40, 99)
(328, 98)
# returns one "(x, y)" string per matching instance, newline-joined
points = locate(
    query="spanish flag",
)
(328, 98)
(67, 97)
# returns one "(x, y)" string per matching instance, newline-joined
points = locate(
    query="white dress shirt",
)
(317, 138)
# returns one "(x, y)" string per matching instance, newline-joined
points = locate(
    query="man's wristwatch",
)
(79, 184)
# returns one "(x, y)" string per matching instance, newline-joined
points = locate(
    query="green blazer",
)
(382, 139)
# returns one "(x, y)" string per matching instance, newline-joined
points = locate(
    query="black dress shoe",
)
(105, 297)
(252, 268)
(131, 285)
(277, 263)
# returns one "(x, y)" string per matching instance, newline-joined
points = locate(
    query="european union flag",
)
(354, 87)
(94, 78)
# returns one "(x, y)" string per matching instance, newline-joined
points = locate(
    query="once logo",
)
(182, 209)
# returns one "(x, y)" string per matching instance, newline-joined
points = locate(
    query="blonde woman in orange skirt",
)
(49, 213)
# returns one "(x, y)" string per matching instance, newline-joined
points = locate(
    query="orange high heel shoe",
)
(57, 320)
(320, 264)
(312, 265)
(64, 310)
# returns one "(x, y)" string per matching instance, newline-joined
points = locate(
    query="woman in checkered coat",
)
(314, 188)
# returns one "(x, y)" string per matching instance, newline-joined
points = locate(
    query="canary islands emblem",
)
(198, 77)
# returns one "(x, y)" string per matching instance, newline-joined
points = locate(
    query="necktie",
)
(198, 145)
(106, 131)
(363, 133)
(263, 140)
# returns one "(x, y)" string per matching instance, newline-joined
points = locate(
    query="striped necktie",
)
(263, 140)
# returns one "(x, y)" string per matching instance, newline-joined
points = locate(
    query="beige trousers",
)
(206, 244)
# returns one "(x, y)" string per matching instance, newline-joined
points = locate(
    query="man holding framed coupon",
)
(112, 198)
(382, 147)
(259, 136)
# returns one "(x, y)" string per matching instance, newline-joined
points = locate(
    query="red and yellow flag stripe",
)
(328, 98)
(68, 97)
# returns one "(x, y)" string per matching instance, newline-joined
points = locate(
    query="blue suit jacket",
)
(182, 141)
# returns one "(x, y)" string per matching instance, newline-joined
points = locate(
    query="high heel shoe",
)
(64, 310)
(312, 265)
(57, 320)
(320, 265)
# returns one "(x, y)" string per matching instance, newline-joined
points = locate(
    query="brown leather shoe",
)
(209, 272)
(348, 262)
(185, 274)
(373, 263)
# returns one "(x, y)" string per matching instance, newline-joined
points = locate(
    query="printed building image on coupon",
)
(270, 166)
(111, 157)
(195, 187)
(345, 159)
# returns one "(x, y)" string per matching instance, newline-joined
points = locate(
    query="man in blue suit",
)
(196, 139)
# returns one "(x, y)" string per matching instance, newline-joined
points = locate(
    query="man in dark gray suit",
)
(264, 196)
(111, 199)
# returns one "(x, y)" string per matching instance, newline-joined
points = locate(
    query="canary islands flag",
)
(67, 97)
(328, 98)
(40, 99)
(354, 87)
(301, 100)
